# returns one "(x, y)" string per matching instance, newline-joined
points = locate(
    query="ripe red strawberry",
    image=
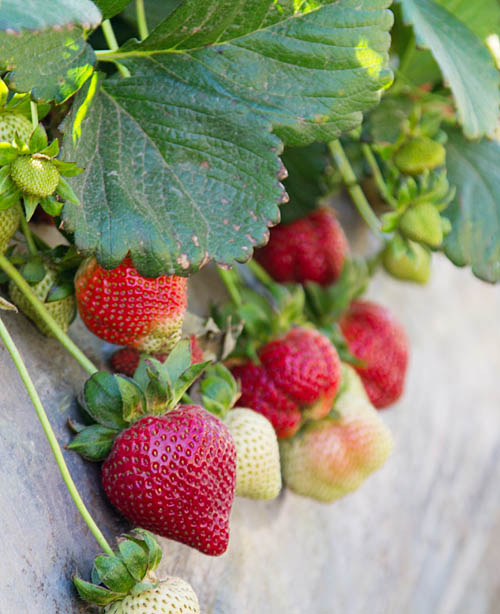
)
(310, 249)
(300, 371)
(123, 307)
(377, 339)
(126, 360)
(175, 475)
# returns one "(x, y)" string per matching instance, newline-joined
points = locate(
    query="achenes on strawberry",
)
(167, 467)
(258, 473)
(331, 457)
(123, 307)
(9, 223)
(126, 583)
(12, 124)
(376, 338)
(310, 249)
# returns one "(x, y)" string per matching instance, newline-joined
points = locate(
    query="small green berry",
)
(419, 154)
(407, 260)
(9, 221)
(35, 175)
(12, 124)
(422, 223)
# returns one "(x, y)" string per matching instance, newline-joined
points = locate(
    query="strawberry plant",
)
(160, 136)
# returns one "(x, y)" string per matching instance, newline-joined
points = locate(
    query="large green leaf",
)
(483, 20)
(464, 61)
(42, 44)
(475, 211)
(109, 8)
(180, 163)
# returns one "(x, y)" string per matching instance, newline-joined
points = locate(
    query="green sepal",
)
(51, 150)
(133, 399)
(177, 361)
(68, 169)
(334, 333)
(4, 93)
(76, 427)
(6, 306)
(113, 573)
(93, 593)
(157, 390)
(94, 442)
(5, 179)
(142, 587)
(58, 292)
(50, 205)
(33, 270)
(219, 390)
(135, 558)
(8, 153)
(154, 551)
(186, 380)
(9, 197)
(38, 139)
(21, 145)
(65, 191)
(103, 400)
(30, 204)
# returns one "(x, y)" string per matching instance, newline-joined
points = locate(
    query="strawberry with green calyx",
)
(31, 171)
(12, 125)
(419, 154)
(407, 260)
(168, 468)
(9, 223)
(422, 223)
(330, 458)
(123, 307)
(125, 582)
(258, 474)
(379, 341)
(126, 360)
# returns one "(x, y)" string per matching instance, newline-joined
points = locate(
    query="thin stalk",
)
(231, 288)
(34, 114)
(354, 189)
(377, 175)
(49, 432)
(260, 273)
(39, 307)
(112, 43)
(30, 242)
(411, 47)
(141, 19)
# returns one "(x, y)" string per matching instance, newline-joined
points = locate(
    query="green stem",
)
(34, 114)
(377, 175)
(56, 450)
(27, 233)
(261, 274)
(112, 43)
(355, 191)
(231, 287)
(39, 307)
(411, 47)
(141, 19)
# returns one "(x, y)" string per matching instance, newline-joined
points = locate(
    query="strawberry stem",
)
(141, 19)
(39, 307)
(27, 232)
(112, 43)
(377, 175)
(228, 280)
(49, 432)
(260, 274)
(357, 195)
(34, 114)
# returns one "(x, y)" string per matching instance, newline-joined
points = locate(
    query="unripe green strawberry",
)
(62, 310)
(407, 260)
(419, 154)
(35, 175)
(258, 473)
(331, 457)
(172, 596)
(422, 223)
(12, 124)
(9, 221)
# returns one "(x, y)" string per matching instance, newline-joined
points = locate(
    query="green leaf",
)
(202, 169)
(110, 8)
(103, 400)
(39, 15)
(94, 442)
(135, 558)
(464, 61)
(475, 211)
(94, 594)
(113, 573)
(483, 20)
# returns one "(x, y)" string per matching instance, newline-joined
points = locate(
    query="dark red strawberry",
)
(126, 360)
(175, 475)
(310, 249)
(300, 371)
(376, 338)
(123, 307)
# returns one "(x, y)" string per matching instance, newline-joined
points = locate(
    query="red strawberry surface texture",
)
(376, 338)
(300, 371)
(310, 249)
(175, 475)
(123, 307)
